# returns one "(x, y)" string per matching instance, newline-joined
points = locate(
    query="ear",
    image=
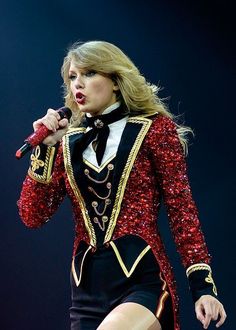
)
(115, 86)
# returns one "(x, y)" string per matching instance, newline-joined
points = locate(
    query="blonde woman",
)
(119, 155)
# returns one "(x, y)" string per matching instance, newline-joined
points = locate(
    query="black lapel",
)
(71, 153)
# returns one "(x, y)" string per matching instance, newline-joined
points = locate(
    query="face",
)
(92, 91)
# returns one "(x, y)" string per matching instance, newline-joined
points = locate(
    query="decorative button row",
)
(95, 205)
(108, 185)
(104, 220)
(110, 167)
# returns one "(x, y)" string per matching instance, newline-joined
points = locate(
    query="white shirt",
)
(116, 130)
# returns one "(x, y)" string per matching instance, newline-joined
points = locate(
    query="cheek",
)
(103, 89)
(72, 88)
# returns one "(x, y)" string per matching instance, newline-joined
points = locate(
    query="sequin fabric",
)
(159, 173)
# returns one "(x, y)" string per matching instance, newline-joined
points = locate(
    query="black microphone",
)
(40, 134)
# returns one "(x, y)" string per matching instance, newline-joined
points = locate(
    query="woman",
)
(120, 154)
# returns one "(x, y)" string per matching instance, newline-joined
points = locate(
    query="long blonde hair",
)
(139, 96)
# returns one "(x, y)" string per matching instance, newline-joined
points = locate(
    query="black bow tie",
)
(100, 131)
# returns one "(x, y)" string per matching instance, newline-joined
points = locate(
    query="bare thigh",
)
(130, 316)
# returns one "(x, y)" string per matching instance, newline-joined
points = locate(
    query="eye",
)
(72, 76)
(90, 73)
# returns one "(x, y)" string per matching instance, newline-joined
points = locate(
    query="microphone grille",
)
(65, 112)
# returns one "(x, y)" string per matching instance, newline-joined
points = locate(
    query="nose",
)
(78, 82)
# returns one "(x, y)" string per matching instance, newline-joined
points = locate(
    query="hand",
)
(53, 122)
(208, 308)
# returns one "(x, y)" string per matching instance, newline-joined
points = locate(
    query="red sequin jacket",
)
(154, 168)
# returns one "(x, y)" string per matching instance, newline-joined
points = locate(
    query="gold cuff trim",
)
(47, 165)
(127, 272)
(195, 267)
(78, 280)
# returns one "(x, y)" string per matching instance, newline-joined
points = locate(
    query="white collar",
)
(109, 109)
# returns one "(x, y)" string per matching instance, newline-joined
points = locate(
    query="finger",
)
(215, 306)
(199, 313)
(37, 124)
(63, 122)
(222, 317)
(54, 113)
(51, 122)
(208, 315)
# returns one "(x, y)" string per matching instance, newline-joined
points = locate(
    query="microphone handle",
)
(33, 140)
(40, 134)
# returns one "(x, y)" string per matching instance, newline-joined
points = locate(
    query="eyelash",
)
(89, 73)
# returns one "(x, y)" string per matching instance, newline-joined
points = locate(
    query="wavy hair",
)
(138, 95)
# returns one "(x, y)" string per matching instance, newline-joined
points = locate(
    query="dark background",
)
(187, 47)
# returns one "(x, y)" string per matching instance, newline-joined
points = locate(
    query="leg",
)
(130, 316)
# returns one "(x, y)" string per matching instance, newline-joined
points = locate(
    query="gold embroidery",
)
(46, 164)
(35, 161)
(195, 267)
(126, 171)
(209, 279)
(78, 280)
(163, 297)
(75, 188)
(121, 262)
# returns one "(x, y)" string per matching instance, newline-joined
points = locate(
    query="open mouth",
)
(80, 98)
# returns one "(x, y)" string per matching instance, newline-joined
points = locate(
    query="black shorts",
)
(104, 286)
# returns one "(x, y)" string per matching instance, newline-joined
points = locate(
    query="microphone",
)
(40, 134)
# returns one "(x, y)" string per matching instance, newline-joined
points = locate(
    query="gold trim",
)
(163, 297)
(161, 303)
(47, 165)
(75, 188)
(126, 172)
(195, 267)
(121, 262)
(98, 169)
(76, 130)
(78, 280)
(209, 279)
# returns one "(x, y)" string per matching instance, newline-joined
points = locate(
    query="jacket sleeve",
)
(169, 160)
(43, 188)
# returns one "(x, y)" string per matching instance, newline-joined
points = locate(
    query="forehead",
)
(75, 66)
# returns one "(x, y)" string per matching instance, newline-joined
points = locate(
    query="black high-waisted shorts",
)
(104, 286)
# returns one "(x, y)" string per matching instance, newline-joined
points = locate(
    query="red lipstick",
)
(80, 98)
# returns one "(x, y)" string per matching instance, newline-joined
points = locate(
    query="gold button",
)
(110, 167)
(104, 218)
